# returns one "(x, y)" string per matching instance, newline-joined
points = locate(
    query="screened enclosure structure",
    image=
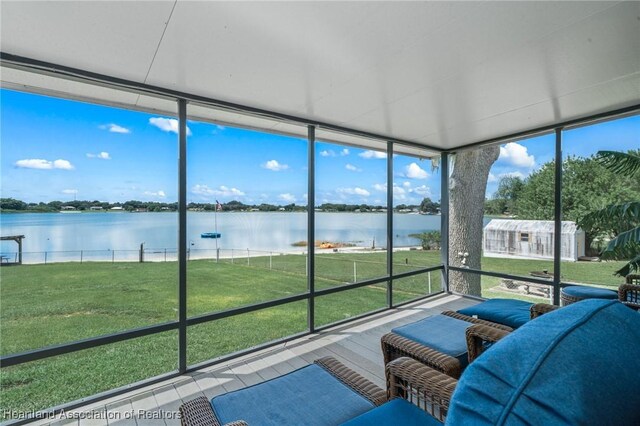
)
(385, 83)
(531, 239)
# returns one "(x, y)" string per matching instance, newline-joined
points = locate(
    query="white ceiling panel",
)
(443, 74)
(117, 38)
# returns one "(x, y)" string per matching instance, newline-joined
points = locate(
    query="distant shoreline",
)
(196, 211)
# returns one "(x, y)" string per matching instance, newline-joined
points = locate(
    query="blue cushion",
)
(510, 312)
(576, 365)
(586, 292)
(396, 412)
(309, 396)
(439, 332)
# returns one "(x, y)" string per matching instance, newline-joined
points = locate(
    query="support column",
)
(182, 235)
(444, 218)
(557, 234)
(390, 224)
(311, 226)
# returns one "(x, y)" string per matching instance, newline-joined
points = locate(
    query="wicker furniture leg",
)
(478, 336)
(421, 385)
(541, 308)
(629, 294)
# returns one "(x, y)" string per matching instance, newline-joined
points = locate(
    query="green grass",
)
(43, 305)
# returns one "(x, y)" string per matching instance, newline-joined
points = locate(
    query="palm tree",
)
(624, 217)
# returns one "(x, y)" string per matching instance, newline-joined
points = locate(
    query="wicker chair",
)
(479, 337)
(629, 293)
(489, 393)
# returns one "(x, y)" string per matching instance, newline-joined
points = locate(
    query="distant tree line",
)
(14, 205)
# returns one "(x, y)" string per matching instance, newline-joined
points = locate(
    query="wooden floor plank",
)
(144, 405)
(121, 413)
(168, 403)
(264, 370)
(188, 389)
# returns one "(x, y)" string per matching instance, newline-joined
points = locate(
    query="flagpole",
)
(215, 219)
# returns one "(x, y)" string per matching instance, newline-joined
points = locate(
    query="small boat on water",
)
(210, 235)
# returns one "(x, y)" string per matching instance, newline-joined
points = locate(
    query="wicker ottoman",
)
(575, 293)
(446, 342)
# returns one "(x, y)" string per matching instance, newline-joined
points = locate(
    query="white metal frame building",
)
(531, 239)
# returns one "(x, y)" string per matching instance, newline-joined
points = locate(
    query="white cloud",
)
(34, 163)
(70, 191)
(221, 191)
(398, 191)
(332, 153)
(217, 129)
(274, 166)
(353, 191)
(288, 198)
(167, 124)
(413, 171)
(352, 168)
(159, 194)
(103, 156)
(38, 163)
(492, 178)
(382, 187)
(62, 164)
(114, 128)
(516, 155)
(422, 190)
(399, 194)
(369, 154)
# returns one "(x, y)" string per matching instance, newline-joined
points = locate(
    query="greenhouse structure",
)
(531, 239)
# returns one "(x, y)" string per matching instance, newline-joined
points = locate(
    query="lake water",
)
(106, 232)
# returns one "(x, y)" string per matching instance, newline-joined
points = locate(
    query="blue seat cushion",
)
(396, 412)
(439, 332)
(586, 292)
(309, 396)
(510, 312)
(575, 365)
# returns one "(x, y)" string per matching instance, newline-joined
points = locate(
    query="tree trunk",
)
(468, 185)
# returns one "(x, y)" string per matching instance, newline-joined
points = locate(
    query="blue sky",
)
(54, 149)
(524, 157)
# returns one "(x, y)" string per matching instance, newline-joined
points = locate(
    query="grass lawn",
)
(50, 304)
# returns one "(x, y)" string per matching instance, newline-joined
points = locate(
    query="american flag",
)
(218, 206)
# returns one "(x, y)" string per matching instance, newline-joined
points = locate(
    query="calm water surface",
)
(106, 231)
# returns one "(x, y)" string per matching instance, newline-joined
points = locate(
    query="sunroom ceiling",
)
(441, 74)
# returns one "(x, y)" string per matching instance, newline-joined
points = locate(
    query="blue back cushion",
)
(587, 292)
(439, 332)
(510, 312)
(309, 396)
(396, 412)
(576, 365)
